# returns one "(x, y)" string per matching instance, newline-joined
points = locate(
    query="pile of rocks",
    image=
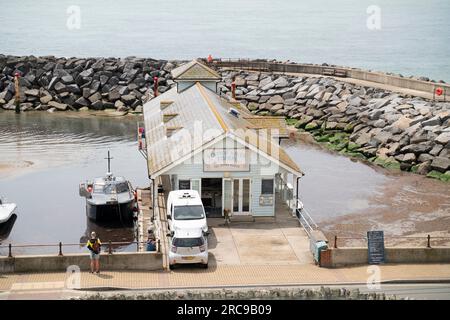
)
(58, 84)
(390, 129)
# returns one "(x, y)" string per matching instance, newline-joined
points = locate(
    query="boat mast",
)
(109, 162)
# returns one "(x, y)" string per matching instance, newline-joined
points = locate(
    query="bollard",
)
(428, 241)
(10, 251)
(110, 247)
(60, 249)
(335, 242)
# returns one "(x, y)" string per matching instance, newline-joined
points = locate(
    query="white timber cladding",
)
(183, 85)
(261, 169)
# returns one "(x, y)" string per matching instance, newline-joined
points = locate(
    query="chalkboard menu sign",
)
(375, 243)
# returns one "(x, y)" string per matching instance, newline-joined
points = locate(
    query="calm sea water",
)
(64, 149)
(413, 39)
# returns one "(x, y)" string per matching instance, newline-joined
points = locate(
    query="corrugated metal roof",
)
(203, 111)
(195, 70)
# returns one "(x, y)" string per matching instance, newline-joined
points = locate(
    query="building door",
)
(227, 195)
(241, 196)
(211, 194)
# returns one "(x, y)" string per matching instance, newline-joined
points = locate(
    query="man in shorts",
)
(94, 246)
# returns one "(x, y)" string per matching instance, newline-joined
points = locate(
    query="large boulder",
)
(440, 164)
(443, 138)
(276, 99)
(128, 99)
(57, 105)
(95, 97)
(46, 99)
(32, 92)
(87, 73)
(265, 82)
(281, 82)
(417, 148)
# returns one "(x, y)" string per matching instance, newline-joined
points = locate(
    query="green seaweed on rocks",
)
(439, 175)
(387, 163)
(291, 122)
(311, 126)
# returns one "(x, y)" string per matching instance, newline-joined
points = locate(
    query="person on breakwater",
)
(94, 246)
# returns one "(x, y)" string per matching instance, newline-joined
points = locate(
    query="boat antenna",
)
(109, 162)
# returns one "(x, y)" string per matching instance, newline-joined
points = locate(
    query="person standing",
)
(94, 246)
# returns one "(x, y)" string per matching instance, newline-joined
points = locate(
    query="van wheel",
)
(205, 266)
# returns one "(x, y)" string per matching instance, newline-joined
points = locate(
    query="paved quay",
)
(50, 284)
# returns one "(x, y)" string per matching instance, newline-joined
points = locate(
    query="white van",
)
(188, 246)
(185, 211)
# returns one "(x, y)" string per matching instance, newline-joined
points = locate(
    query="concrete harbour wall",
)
(358, 74)
(144, 261)
(341, 257)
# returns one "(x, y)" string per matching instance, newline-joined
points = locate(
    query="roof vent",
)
(171, 130)
(165, 104)
(234, 112)
(169, 116)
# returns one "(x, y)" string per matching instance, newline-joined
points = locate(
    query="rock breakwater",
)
(393, 130)
(59, 84)
(389, 129)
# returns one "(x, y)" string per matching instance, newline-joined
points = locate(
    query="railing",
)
(242, 64)
(305, 220)
(109, 246)
(427, 87)
(393, 241)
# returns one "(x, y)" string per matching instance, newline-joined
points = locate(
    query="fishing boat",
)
(109, 197)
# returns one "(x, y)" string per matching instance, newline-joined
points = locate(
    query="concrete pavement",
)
(58, 285)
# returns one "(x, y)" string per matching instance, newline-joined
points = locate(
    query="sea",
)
(410, 37)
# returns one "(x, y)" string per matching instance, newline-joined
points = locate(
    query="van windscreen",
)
(188, 242)
(188, 212)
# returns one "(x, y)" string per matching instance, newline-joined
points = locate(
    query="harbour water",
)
(50, 154)
(412, 37)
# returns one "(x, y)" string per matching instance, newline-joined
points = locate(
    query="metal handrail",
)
(306, 214)
(108, 245)
(68, 244)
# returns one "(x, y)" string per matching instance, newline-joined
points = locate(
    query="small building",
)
(196, 139)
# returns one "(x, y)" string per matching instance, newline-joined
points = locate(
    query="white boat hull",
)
(6, 211)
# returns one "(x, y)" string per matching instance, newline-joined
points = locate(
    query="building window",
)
(267, 186)
(184, 184)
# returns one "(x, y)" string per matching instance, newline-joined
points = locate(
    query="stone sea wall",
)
(389, 129)
(252, 293)
(58, 84)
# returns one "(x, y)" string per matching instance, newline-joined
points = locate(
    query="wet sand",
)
(8, 170)
(400, 203)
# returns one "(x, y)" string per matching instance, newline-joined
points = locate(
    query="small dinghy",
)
(6, 211)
